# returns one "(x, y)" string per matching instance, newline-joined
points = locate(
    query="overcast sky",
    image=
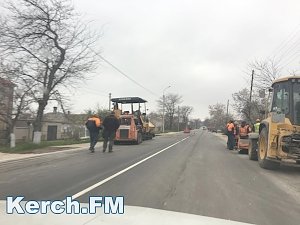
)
(200, 48)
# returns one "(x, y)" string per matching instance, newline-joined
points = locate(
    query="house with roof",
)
(55, 126)
(59, 125)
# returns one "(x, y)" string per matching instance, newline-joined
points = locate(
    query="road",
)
(196, 175)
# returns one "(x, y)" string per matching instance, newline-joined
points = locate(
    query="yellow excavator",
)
(278, 139)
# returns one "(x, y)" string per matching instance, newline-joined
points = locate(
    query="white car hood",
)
(133, 215)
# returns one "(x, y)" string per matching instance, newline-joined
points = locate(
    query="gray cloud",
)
(198, 47)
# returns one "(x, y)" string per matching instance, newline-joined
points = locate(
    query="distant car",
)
(214, 130)
(204, 128)
(187, 130)
(219, 131)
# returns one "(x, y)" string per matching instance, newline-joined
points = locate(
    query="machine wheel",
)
(139, 139)
(252, 153)
(262, 152)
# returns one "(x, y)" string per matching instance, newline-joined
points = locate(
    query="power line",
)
(124, 74)
(285, 42)
(290, 60)
(290, 51)
(246, 76)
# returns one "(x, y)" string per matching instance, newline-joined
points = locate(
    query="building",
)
(23, 129)
(55, 126)
(6, 107)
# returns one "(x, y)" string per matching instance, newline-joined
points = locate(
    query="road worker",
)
(236, 134)
(256, 126)
(244, 130)
(93, 124)
(226, 132)
(230, 134)
(243, 143)
(111, 125)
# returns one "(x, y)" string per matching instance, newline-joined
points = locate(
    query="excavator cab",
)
(134, 125)
(278, 140)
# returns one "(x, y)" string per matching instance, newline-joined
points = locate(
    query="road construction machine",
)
(278, 139)
(135, 126)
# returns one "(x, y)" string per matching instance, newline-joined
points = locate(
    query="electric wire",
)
(124, 74)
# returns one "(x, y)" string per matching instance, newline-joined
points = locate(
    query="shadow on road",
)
(289, 169)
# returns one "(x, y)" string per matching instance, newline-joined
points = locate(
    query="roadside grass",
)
(28, 147)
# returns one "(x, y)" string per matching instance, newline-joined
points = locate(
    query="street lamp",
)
(163, 118)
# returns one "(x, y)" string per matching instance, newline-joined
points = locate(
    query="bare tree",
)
(218, 116)
(242, 105)
(53, 48)
(100, 111)
(185, 112)
(19, 101)
(6, 97)
(171, 103)
(266, 71)
(195, 123)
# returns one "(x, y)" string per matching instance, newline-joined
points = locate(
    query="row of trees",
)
(176, 115)
(218, 116)
(44, 48)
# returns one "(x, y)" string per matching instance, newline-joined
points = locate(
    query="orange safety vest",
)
(230, 127)
(244, 131)
(97, 121)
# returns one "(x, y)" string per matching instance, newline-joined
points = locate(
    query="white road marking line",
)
(77, 195)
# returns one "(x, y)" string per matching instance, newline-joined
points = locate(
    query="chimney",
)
(55, 109)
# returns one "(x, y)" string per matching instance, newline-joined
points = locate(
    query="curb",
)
(32, 155)
(36, 155)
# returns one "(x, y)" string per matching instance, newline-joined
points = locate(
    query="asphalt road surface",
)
(191, 173)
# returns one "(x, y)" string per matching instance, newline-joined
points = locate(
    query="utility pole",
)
(163, 118)
(252, 76)
(227, 112)
(178, 118)
(109, 103)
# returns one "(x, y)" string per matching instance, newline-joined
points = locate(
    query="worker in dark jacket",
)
(93, 124)
(110, 124)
